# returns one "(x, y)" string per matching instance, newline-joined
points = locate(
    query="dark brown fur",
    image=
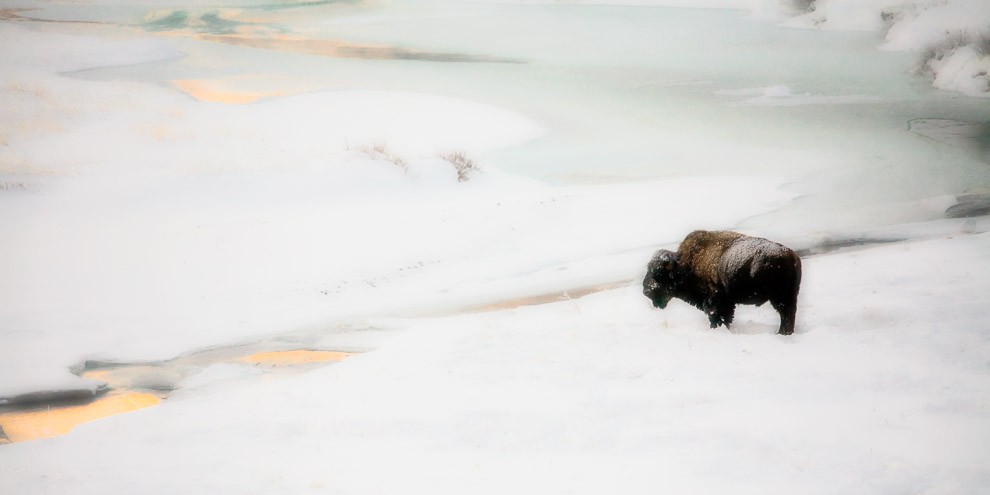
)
(714, 271)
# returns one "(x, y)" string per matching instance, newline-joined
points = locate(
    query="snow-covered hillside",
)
(882, 390)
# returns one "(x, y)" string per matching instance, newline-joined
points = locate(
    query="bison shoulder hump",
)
(701, 251)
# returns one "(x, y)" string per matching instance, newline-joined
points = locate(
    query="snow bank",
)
(844, 15)
(965, 69)
(878, 392)
(916, 26)
(59, 52)
(950, 34)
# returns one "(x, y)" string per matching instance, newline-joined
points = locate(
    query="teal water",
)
(632, 93)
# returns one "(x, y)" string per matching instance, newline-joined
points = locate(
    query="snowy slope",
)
(882, 390)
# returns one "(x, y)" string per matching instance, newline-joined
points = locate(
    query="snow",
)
(59, 52)
(144, 218)
(924, 24)
(963, 70)
(882, 390)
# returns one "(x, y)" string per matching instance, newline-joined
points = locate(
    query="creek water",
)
(626, 93)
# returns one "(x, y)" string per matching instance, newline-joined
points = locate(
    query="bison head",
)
(660, 282)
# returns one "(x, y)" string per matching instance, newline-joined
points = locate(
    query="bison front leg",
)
(714, 319)
(721, 313)
(788, 312)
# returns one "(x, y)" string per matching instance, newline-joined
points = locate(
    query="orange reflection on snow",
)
(292, 358)
(213, 92)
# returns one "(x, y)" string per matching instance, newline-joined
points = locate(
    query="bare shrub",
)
(790, 7)
(938, 50)
(982, 44)
(10, 185)
(378, 151)
(803, 5)
(464, 166)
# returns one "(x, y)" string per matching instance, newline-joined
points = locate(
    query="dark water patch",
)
(828, 246)
(297, 5)
(970, 205)
(14, 14)
(218, 25)
(208, 23)
(339, 49)
(53, 398)
(972, 136)
(822, 244)
(128, 387)
(174, 21)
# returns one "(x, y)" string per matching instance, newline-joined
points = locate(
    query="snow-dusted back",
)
(745, 249)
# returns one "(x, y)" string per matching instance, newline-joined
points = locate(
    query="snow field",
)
(878, 392)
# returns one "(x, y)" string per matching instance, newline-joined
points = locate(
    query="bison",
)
(714, 271)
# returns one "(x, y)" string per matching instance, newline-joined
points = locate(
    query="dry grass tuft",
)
(379, 151)
(10, 185)
(464, 166)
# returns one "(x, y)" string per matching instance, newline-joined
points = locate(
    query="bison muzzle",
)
(714, 271)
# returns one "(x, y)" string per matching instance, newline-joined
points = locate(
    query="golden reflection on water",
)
(20, 426)
(34, 423)
(342, 49)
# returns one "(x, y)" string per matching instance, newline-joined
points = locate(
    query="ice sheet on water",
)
(216, 374)
(782, 95)
(908, 25)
